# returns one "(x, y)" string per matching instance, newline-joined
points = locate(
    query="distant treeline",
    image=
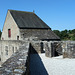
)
(66, 34)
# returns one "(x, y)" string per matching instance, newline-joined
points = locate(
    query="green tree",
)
(64, 34)
(73, 31)
(57, 32)
(73, 37)
(70, 31)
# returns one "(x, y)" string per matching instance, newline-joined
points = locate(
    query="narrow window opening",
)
(9, 33)
(6, 50)
(17, 37)
(13, 49)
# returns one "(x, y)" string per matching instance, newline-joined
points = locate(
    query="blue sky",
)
(58, 14)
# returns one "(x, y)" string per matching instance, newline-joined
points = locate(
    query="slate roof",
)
(28, 20)
(43, 34)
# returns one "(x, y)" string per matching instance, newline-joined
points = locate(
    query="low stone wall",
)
(8, 47)
(36, 46)
(48, 49)
(68, 49)
(18, 63)
(55, 48)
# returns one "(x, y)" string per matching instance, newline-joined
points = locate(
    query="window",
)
(17, 37)
(9, 33)
(13, 49)
(6, 50)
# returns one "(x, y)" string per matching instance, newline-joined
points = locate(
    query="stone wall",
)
(7, 48)
(36, 47)
(18, 63)
(68, 49)
(56, 48)
(53, 48)
(10, 24)
(48, 49)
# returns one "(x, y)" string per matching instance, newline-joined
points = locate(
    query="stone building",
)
(20, 25)
(25, 33)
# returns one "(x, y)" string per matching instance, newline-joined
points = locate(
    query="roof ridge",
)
(20, 11)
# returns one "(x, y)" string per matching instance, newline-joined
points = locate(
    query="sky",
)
(57, 14)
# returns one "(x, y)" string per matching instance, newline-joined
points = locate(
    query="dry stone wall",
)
(18, 63)
(47, 47)
(52, 48)
(68, 49)
(8, 47)
(55, 48)
(36, 47)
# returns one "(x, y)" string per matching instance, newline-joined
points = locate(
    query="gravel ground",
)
(41, 65)
(58, 65)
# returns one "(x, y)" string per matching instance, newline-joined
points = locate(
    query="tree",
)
(57, 32)
(73, 31)
(73, 37)
(64, 34)
(70, 31)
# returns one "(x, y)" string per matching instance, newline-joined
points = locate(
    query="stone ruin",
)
(68, 49)
(18, 63)
(56, 48)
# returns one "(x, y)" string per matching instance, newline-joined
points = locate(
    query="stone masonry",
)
(68, 49)
(55, 48)
(12, 46)
(18, 63)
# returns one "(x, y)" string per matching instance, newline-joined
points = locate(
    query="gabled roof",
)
(28, 20)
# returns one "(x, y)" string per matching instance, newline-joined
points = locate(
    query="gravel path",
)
(41, 65)
(58, 65)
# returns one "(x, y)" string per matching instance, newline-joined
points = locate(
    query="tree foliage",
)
(66, 34)
(57, 32)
